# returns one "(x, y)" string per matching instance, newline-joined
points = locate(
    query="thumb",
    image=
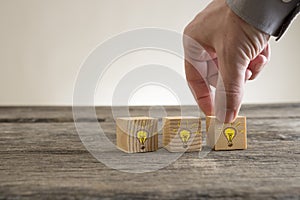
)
(230, 87)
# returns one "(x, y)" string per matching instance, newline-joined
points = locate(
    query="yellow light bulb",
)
(142, 136)
(229, 134)
(185, 136)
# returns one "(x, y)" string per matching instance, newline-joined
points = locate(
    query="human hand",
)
(223, 51)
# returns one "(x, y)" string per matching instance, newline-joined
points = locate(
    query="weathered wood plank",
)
(64, 114)
(48, 160)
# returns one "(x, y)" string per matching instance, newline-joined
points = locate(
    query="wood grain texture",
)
(137, 134)
(226, 136)
(182, 134)
(64, 114)
(41, 160)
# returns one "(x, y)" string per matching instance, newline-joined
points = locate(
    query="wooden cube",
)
(181, 134)
(226, 136)
(137, 134)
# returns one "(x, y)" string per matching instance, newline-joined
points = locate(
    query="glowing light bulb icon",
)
(229, 133)
(142, 137)
(185, 136)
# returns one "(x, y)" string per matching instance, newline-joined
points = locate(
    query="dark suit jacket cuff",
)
(269, 16)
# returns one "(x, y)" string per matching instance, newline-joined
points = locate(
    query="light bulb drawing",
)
(142, 134)
(231, 131)
(185, 136)
(142, 137)
(185, 133)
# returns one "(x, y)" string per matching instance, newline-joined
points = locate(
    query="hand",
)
(223, 51)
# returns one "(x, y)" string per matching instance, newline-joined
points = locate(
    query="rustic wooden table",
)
(42, 156)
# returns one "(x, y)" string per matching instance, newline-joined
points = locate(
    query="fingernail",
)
(248, 75)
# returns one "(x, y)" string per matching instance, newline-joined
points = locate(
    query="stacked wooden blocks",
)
(137, 134)
(228, 136)
(181, 134)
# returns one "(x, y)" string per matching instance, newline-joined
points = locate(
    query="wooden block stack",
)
(229, 136)
(137, 134)
(182, 134)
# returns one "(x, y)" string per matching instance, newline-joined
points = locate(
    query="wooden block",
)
(228, 136)
(137, 134)
(182, 134)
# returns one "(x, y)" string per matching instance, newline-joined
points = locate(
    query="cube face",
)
(228, 136)
(137, 134)
(182, 134)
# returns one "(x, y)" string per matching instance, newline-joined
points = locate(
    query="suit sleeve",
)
(270, 16)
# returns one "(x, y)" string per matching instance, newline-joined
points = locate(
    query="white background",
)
(44, 42)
